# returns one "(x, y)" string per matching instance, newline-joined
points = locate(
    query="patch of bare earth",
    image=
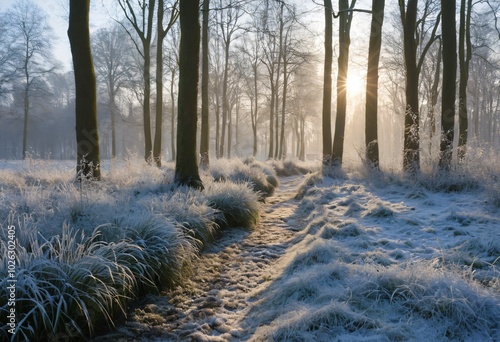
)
(208, 306)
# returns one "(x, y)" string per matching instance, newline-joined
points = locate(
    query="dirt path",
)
(209, 305)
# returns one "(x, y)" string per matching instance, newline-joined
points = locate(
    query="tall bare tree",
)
(345, 21)
(10, 52)
(272, 50)
(161, 32)
(228, 23)
(29, 26)
(411, 156)
(171, 60)
(464, 58)
(87, 135)
(327, 85)
(112, 60)
(371, 125)
(251, 60)
(186, 164)
(205, 129)
(140, 15)
(413, 36)
(449, 83)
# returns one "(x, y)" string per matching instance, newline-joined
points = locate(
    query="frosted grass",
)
(85, 249)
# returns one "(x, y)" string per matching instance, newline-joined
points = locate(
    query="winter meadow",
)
(249, 170)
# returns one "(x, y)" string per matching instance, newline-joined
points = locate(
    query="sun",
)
(355, 83)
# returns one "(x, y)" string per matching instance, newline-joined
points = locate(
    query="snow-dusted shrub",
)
(237, 202)
(329, 320)
(293, 167)
(236, 171)
(190, 210)
(163, 246)
(433, 293)
(309, 181)
(64, 286)
(266, 169)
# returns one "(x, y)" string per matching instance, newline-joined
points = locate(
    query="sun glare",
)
(355, 83)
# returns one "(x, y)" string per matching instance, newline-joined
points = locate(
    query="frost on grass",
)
(375, 262)
(236, 201)
(85, 249)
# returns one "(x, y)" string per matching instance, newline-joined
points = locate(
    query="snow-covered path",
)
(350, 261)
(210, 304)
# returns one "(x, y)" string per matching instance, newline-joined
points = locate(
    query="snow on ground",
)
(350, 260)
(385, 263)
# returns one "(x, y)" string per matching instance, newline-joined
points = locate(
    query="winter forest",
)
(249, 170)
(265, 80)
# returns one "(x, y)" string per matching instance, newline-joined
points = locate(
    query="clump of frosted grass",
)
(190, 210)
(66, 281)
(234, 170)
(266, 169)
(294, 167)
(237, 202)
(309, 181)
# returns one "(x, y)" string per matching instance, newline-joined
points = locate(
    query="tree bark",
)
(271, 114)
(148, 145)
(113, 121)
(144, 31)
(277, 85)
(255, 110)
(225, 101)
(159, 85)
(327, 85)
(345, 19)
(411, 155)
(282, 153)
(465, 55)
(26, 114)
(434, 97)
(449, 83)
(186, 166)
(371, 125)
(172, 129)
(205, 132)
(87, 137)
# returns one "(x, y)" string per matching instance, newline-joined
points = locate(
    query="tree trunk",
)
(449, 83)
(345, 19)
(281, 154)
(434, 98)
(113, 121)
(229, 130)
(172, 130)
(371, 125)
(148, 146)
(186, 166)
(159, 85)
(302, 154)
(327, 85)
(465, 55)
(87, 137)
(277, 86)
(26, 115)
(255, 110)
(205, 131)
(225, 101)
(271, 118)
(411, 155)
(217, 124)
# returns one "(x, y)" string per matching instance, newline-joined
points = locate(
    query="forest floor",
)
(355, 259)
(211, 305)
